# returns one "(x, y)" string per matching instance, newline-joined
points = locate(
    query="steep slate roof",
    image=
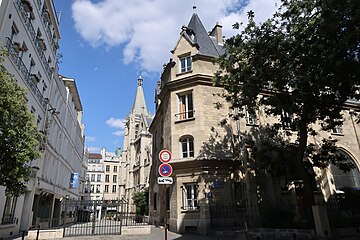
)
(200, 37)
(139, 105)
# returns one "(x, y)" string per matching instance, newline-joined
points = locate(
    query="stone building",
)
(137, 148)
(103, 174)
(210, 189)
(111, 162)
(29, 30)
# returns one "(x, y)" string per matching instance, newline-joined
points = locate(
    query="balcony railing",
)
(185, 115)
(46, 22)
(39, 4)
(34, 38)
(9, 220)
(13, 55)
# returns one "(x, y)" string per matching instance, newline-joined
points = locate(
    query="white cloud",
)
(90, 139)
(115, 123)
(148, 29)
(93, 149)
(118, 133)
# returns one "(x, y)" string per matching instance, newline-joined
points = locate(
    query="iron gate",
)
(94, 217)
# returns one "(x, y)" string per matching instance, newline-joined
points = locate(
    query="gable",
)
(183, 46)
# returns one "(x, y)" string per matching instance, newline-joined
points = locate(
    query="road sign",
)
(165, 156)
(165, 170)
(165, 180)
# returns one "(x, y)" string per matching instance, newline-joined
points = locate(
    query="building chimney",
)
(217, 33)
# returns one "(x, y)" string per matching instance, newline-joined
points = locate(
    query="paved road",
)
(156, 234)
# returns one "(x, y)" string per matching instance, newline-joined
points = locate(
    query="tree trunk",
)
(308, 195)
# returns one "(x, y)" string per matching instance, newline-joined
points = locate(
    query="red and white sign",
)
(165, 156)
(165, 170)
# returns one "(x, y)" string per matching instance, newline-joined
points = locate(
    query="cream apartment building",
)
(201, 139)
(103, 176)
(29, 30)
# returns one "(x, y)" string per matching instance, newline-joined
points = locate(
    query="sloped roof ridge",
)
(201, 37)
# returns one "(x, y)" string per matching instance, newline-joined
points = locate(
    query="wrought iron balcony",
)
(40, 50)
(13, 55)
(9, 220)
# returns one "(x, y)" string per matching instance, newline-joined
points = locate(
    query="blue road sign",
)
(165, 170)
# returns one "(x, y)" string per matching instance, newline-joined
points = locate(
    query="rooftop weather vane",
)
(140, 77)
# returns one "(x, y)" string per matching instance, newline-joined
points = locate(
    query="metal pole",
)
(165, 213)
(38, 232)
(94, 218)
(23, 235)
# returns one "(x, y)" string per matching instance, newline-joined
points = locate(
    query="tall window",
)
(187, 147)
(92, 177)
(189, 193)
(115, 169)
(108, 168)
(338, 128)
(106, 189)
(185, 107)
(185, 64)
(114, 188)
(9, 210)
(114, 178)
(98, 178)
(350, 179)
(92, 188)
(107, 178)
(286, 120)
(97, 188)
(251, 118)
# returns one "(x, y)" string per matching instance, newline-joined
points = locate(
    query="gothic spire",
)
(139, 105)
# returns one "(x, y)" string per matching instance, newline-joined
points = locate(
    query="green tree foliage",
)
(18, 134)
(304, 62)
(141, 200)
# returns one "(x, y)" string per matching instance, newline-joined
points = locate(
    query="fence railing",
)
(9, 220)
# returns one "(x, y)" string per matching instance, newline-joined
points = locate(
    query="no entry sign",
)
(165, 156)
(165, 170)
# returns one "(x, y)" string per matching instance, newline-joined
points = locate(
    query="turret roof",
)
(197, 33)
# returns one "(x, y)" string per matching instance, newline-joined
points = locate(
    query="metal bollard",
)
(38, 232)
(23, 235)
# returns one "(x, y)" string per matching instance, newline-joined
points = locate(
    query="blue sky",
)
(105, 43)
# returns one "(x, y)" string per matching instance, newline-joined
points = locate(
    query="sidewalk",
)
(156, 234)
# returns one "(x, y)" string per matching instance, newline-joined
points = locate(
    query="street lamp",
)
(53, 111)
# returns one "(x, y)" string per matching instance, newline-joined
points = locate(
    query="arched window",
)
(187, 147)
(350, 179)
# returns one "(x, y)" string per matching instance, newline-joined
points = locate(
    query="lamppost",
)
(47, 122)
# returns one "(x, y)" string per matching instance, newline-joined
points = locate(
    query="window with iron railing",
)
(9, 211)
(185, 106)
(189, 195)
(251, 118)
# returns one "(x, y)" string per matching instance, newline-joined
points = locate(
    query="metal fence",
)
(92, 217)
(341, 214)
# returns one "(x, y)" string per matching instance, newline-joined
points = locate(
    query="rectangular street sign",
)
(165, 180)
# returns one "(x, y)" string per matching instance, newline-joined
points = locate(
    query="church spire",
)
(139, 105)
(140, 81)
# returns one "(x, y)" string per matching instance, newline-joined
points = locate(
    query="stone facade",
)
(30, 32)
(137, 148)
(103, 176)
(201, 139)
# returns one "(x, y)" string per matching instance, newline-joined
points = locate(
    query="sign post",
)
(165, 171)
